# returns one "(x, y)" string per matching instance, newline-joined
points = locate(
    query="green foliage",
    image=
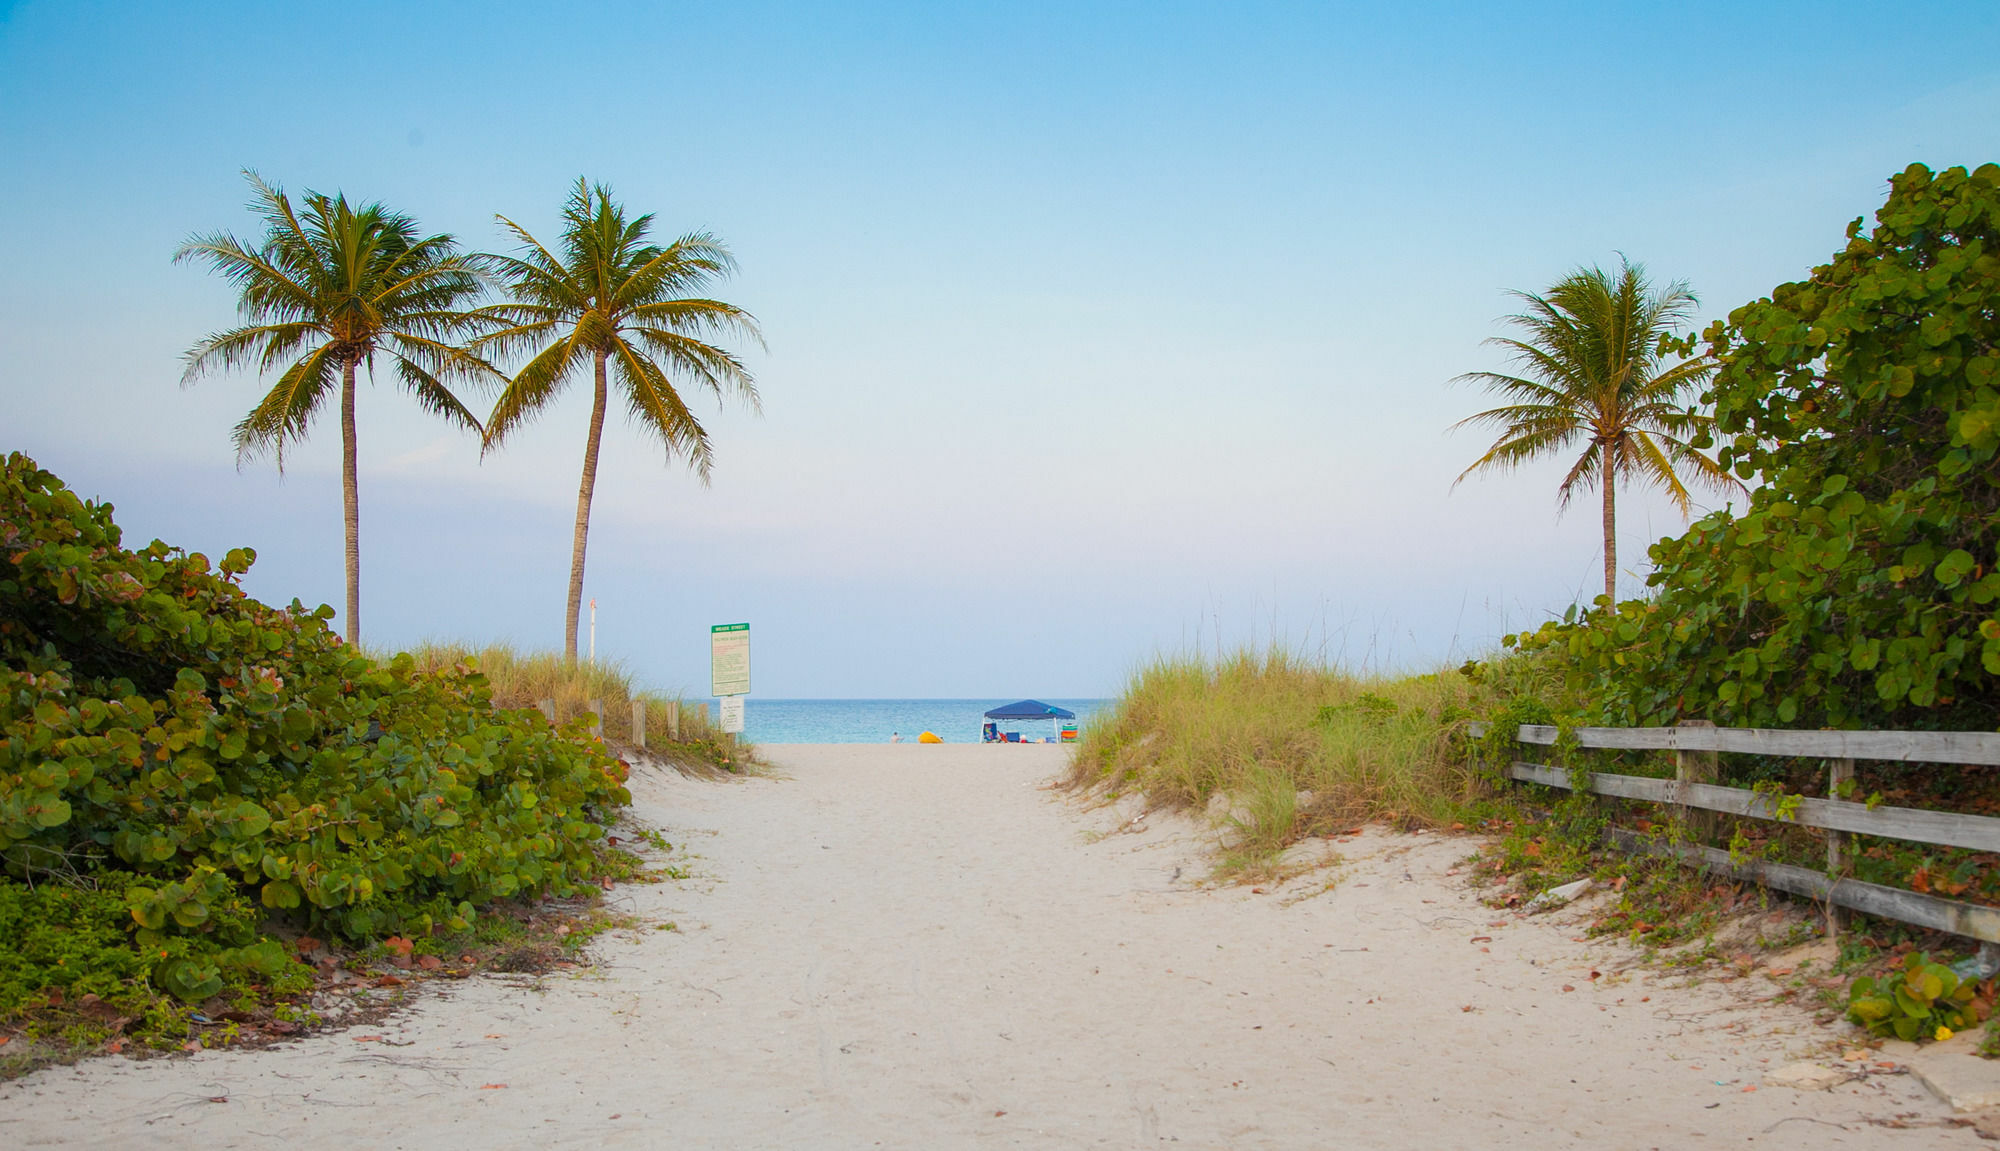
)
(1916, 1000)
(202, 760)
(1861, 587)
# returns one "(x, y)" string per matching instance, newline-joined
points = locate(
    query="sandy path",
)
(921, 947)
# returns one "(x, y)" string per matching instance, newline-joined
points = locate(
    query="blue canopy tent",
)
(1026, 709)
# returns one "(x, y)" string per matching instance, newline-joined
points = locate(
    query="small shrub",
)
(1918, 1000)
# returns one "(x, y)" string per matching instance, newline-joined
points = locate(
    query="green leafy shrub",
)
(1916, 1000)
(1861, 586)
(205, 760)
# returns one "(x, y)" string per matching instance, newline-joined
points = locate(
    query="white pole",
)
(593, 629)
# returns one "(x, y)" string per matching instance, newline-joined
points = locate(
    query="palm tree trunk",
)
(1610, 525)
(583, 496)
(350, 495)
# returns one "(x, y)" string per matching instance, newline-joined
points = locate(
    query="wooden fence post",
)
(597, 718)
(1696, 767)
(639, 724)
(548, 708)
(674, 720)
(1839, 774)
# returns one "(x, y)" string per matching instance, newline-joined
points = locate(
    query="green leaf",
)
(147, 910)
(251, 820)
(1955, 566)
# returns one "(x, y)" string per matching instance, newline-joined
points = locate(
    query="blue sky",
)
(1095, 330)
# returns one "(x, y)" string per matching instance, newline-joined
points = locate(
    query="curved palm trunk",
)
(583, 495)
(350, 495)
(1610, 527)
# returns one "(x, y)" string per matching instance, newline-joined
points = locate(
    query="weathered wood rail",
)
(1691, 792)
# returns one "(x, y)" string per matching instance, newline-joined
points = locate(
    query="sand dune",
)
(924, 947)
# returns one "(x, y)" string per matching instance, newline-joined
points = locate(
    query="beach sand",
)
(927, 947)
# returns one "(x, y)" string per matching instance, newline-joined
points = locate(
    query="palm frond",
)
(653, 403)
(531, 389)
(713, 369)
(286, 411)
(434, 397)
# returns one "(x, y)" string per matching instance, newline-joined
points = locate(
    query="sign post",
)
(729, 672)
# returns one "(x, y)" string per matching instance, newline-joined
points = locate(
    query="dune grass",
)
(1299, 749)
(524, 679)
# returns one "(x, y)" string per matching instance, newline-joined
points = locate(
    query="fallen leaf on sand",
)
(5, 1040)
(218, 1099)
(496, 1037)
(1854, 1056)
(430, 962)
(1482, 939)
(368, 1039)
(492, 1086)
(1569, 987)
(998, 1114)
(1256, 891)
(620, 1115)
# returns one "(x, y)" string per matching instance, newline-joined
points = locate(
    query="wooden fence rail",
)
(1688, 792)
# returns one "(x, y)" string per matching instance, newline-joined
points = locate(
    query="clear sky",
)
(1096, 330)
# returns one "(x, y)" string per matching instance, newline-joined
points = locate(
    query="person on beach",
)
(895, 737)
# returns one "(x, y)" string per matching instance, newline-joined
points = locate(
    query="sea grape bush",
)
(164, 735)
(1861, 586)
(1917, 1000)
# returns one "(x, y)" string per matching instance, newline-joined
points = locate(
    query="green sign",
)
(729, 659)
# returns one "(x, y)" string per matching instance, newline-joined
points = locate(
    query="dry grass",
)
(1299, 749)
(524, 680)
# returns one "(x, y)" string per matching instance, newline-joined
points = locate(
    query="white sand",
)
(922, 947)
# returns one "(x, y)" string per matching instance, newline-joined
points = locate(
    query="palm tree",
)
(622, 306)
(326, 289)
(1594, 374)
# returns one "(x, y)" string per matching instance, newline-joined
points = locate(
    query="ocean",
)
(874, 720)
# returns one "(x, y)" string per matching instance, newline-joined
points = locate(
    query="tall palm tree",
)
(610, 300)
(1594, 374)
(324, 291)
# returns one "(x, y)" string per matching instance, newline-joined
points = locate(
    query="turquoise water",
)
(873, 720)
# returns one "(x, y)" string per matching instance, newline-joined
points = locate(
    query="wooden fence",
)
(1694, 793)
